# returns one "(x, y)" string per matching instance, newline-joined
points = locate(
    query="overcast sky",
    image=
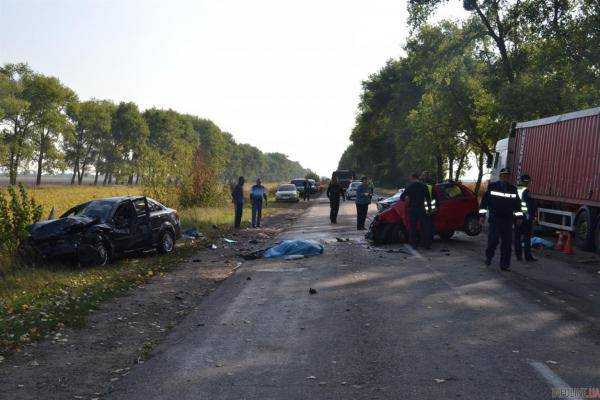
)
(281, 75)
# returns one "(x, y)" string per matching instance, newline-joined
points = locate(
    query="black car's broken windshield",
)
(94, 209)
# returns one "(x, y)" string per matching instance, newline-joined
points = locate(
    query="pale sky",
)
(283, 76)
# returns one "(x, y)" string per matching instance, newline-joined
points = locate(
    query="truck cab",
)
(500, 159)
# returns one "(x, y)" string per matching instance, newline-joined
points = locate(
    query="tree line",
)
(458, 87)
(43, 123)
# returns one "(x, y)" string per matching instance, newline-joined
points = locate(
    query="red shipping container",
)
(562, 156)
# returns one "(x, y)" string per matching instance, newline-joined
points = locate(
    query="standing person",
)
(363, 199)
(419, 200)
(334, 192)
(257, 193)
(237, 196)
(523, 231)
(306, 191)
(501, 201)
(428, 182)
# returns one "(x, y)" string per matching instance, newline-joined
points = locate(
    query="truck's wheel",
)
(583, 235)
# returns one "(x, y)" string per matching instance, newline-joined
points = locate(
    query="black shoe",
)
(488, 262)
(505, 268)
(530, 259)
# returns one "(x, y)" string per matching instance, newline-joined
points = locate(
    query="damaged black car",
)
(95, 232)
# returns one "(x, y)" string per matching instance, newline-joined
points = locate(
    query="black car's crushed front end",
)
(60, 238)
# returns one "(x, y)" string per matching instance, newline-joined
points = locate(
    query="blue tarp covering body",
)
(539, 242)
(291, 247)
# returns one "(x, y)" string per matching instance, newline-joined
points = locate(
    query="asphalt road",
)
(389, 323)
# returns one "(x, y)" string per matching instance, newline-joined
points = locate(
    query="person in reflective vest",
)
(501, 202)
(430, 208)
(523, 231)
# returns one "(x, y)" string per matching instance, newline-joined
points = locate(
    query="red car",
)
(457, 209)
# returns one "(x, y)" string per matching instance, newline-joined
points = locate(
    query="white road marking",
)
(554, 380)
(413, 251)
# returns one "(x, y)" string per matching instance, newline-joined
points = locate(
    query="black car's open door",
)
(142, 230)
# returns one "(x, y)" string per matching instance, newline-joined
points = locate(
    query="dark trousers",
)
(417, 216)
(361, 215)
(500, 231)
(239, 207)
(335, 207)
(306, 195)
(256, 213)
(523, 235)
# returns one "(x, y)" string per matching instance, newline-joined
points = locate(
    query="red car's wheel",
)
(472, 226)
(446, 235)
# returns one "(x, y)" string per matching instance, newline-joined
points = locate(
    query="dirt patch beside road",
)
(85, 363)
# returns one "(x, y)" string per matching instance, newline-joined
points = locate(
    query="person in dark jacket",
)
(524, 230)
(258, 193)
(334, 192)
(363, 199)
(306, 191)
(501, 202)
(418, 201)
(237, 196)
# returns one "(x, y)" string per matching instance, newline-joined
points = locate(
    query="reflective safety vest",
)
(433, 205)
(524, 208)
(502, 200)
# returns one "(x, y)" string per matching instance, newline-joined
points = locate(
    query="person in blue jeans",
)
(257, 193)
(237, 196)
(364, 193)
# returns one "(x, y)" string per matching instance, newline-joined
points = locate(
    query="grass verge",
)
(36, 302)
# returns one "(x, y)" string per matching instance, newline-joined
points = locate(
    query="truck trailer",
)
(562, 155)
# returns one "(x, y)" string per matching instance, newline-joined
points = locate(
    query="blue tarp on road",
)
(294, 247)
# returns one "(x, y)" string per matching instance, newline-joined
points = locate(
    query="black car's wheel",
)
(446, 235)
(167, 242)
(583, 235)
(472, 225)
(93, 255)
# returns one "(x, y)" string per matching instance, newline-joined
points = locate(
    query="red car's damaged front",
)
(456, 210)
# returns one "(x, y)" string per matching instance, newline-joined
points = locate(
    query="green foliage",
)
(459, 86)
(17, 211)
(312, 175)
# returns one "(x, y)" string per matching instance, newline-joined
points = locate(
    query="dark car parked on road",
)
(94, 232)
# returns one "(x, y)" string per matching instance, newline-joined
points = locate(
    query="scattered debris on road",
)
(312, 291)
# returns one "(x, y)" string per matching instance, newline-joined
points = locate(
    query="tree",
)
(312, 175)
(48, 101)
(130, 132)
(18, 120)
(85, 143)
